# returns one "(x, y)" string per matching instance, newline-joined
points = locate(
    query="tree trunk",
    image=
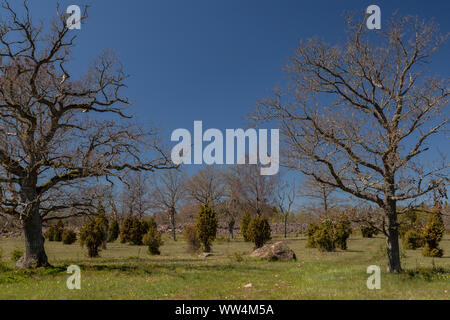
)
(231, 228)
(105, 241)
(325, 203)
(34, 256)
(392, 245)
(172, 223)
(285, 225)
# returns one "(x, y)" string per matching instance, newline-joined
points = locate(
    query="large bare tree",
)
(56, 131)
(361, 116)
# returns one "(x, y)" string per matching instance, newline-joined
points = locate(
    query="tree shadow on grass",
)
(175, 267)
(427, 273)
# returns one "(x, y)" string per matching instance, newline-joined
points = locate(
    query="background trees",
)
(206, 186)
(285, 198)
(136, 195)
(256, 191)
(360, 117)
(168, 194)
(321, 193)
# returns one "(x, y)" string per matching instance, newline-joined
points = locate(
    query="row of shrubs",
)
(97, 232)
(326, 235)
(330, 233)
(203, 233)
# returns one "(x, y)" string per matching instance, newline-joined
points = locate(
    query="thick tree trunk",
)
(34, 256)
(392, 244)
(207, 247)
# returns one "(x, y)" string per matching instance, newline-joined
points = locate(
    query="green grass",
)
(128, 272)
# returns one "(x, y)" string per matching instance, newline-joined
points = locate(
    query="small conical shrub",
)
(206, 226)
(103, 220)
(259, 231)
(244, 225)
(152, 238)
(312, 228)
(342, 232)
(92, 235)
(114, 231)
(432, 234)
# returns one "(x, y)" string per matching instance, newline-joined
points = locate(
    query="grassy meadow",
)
(128, 272)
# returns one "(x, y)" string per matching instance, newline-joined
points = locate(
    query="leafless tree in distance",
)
(319, 192)
(231, 207)
(136, 195)
(206, 186)
(168, 195)
(256, 191)
(285, 198)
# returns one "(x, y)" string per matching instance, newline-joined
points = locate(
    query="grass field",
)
(128, 272)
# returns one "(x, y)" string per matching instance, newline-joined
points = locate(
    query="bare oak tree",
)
(361, 116)
(55, 131)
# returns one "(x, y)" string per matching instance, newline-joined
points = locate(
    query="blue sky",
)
(212, 60)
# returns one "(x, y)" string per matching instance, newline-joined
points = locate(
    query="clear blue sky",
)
(211, 60)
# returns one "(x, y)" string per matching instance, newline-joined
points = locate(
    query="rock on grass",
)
(278, 251)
